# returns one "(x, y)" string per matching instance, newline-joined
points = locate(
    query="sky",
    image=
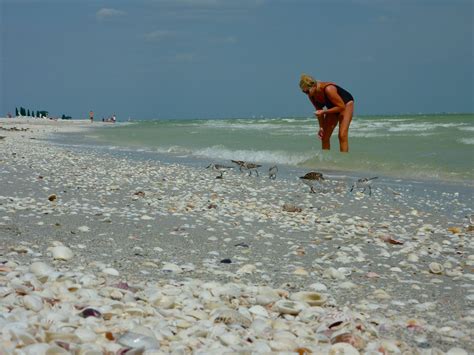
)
(177, 59)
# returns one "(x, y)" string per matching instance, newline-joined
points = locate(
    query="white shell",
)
(170, 267)
(436, 268)
(247, 269)
(110, 271)
(136, 340)
(456, 351)
(229, 316)
(311, 298)
(288, 307)
(40, 269)
(33, 302)
(343, 349)
(61, 252)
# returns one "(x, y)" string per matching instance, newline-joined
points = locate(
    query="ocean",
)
(426, 147)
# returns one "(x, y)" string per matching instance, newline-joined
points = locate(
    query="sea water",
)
(439, 147)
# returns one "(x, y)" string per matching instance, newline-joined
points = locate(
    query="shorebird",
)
(312, 179)
(248, 166)
(272, 172)
(240, 163)
(364, 183)
(219, 168)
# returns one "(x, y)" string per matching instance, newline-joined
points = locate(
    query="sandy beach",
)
(101, 253)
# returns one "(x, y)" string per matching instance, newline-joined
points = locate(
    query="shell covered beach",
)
(104, 254)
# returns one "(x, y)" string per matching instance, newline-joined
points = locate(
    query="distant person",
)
(91, 116)
(333, 105)
(114, 118)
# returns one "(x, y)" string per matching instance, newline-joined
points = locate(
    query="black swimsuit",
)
(344, 94)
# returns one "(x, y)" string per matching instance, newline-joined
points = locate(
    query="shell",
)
(33, 302)
(436, 268)
(229, 316)
(136, 340)
(311, 298)
(343, 349)
(288, 307)
(40, 269)
(62, 252)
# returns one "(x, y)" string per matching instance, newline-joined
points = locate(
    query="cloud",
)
(159, 35)
(107, 13)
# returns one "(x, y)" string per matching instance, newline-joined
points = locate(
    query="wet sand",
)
(401, 259)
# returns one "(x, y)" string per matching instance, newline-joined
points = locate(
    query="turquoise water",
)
(414, 146)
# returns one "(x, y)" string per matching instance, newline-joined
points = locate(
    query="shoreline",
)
(145, 222)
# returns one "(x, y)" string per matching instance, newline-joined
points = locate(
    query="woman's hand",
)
(320, 113)
(320, 133)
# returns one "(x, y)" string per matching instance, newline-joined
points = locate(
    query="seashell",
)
(259, 311)
(352, 339)
(288, 207)
(21, 335)
(61, 252)
(318, 287)
(33, 302)
(92, 349)
(343, 349)
(457, 351)
(229, 339)
(288, 307)
(436, 268)
(41, 270)
(64, 337)
(332, 273)
(86, 335)
(56, 350)
(229, 316)
(136, 340)
(247, 269)
(311, 298)
(300, 272)
(35, 349)
(52, 197)
(170, 267)
(266, 295)
(90, 312)
(110, 271)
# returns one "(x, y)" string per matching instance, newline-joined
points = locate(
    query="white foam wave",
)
(422, 126)
(266, 156)
(468, 128)
(466, 140)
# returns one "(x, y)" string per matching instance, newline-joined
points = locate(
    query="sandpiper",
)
(240, 163)
(248, 166)
(312, 179)
(219, 168)
(364, 183)
(272, 172)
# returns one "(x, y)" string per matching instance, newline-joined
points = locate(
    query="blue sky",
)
(233, 58)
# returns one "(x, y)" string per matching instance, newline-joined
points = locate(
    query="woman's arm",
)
(339, 105)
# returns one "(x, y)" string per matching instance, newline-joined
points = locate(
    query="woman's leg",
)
(329, 123)
(345, 119)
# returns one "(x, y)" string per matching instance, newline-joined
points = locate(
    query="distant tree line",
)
(40, 114)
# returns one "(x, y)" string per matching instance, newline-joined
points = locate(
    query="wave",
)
(466, 140)
(260, 156)
(423, 126)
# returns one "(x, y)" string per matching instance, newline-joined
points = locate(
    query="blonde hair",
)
(307, 82)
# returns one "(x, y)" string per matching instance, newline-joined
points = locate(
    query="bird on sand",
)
(364, 183)
(272, 172)
(219, 168)
(312, 179)
(246, 165)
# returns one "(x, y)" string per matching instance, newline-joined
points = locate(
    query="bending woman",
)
(333, 105)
